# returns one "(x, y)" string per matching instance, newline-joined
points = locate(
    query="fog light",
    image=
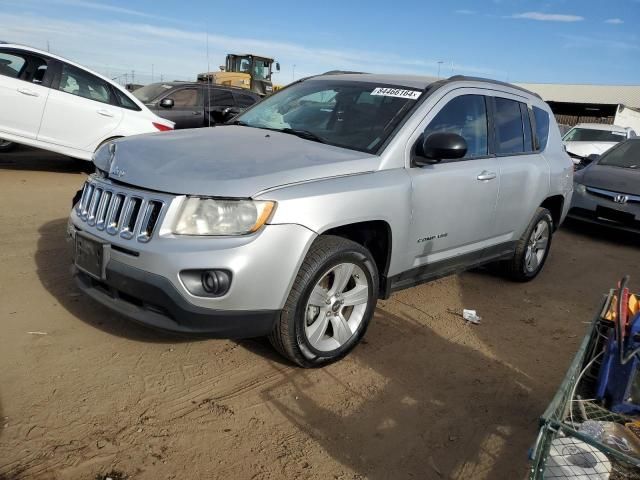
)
(206, 283)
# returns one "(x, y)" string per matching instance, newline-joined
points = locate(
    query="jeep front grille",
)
(119, 212)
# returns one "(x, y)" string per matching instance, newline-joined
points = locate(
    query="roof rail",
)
(340, 72)
(461, 78)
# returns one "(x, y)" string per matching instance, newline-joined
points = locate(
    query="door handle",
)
(486, 175)
(104, 113)
(30, 93)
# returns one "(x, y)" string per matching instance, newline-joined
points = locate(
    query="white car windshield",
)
(593, 135)
(356, 115)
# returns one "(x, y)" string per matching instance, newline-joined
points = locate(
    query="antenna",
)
(208, 83)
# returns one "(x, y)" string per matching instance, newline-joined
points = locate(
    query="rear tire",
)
(330, 305)
(532, 249)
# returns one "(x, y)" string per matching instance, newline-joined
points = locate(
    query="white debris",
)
(37, 333)
(471, 316)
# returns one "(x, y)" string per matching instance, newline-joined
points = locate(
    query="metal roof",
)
(628, 95)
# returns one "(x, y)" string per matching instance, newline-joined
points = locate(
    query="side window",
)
(465, 115)
(508, 124)
(222, 98)
(542, 128)
(244, 101)
(526, 122)
(125, 101)
(11, 65)
(185, 98)
(83, 84)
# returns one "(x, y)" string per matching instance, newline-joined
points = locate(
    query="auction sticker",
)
(396, 92)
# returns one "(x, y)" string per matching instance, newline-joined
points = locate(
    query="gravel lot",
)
(83, 392)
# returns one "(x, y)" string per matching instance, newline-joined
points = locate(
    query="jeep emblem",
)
(118, 172)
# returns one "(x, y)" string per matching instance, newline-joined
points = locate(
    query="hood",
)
(584, 149)
(229, 161)
(614, 179)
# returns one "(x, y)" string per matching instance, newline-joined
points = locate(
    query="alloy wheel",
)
(537, 246)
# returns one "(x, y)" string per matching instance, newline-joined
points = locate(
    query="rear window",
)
(593, 135)
(542, 127)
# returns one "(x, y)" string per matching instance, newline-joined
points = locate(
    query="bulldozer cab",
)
(258, 68)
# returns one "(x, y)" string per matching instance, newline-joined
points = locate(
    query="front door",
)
(454, 201)
(22, 93)
(187, 110)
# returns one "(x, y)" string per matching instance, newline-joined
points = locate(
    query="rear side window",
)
(526, 123)
(83, 84)
(11, 65)
(509, 128)
(125, 101)
(542, 128)
(465, 115)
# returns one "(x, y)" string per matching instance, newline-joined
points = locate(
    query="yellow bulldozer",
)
(249, 71)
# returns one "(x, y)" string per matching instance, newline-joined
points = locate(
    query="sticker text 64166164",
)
(396, 92)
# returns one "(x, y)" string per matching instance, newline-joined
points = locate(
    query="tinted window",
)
(467, 116)
(11, 65)
(526, 122)
(150, 92)
(83, 84)
(125, 101)
(243, 100)
(593, 135)
(508, 124)
(542, 127)
(626, 155)
(187, 97)
(222, 98)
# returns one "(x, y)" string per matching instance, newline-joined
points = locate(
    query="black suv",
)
(193, 104)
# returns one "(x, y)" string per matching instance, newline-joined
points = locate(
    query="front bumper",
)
(142, 280)
(584, 207)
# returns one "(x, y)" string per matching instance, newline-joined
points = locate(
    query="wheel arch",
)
(555, 205)
(375, 236)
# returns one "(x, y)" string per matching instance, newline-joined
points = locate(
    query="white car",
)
(594, 138)
(51, 103)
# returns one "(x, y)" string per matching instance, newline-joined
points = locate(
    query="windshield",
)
(626, 155)
(355, 115)
(149, 93)
(593, 135)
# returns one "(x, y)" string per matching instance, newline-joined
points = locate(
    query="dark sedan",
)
(607, 191)
(194, 104)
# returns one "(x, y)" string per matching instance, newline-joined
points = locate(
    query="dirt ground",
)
(84, 393)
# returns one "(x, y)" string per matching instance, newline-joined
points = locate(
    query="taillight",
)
(161, 127)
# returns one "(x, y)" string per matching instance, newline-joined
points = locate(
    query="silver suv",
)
(294, 219)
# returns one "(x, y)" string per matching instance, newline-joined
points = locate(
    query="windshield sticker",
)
(396, 92)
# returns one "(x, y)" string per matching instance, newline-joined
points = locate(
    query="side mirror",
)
(440, 146)
(167, 103)
(277, 66)
(594, 157)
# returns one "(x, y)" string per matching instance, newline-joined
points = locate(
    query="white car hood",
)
(584, 149)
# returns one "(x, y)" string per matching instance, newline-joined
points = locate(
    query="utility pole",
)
(48, 50)
(440, 62)
(133, 76)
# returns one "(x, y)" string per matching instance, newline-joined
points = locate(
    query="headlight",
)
(578, 187)
(208, 216)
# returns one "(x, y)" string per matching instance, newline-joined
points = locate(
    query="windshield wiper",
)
(238, 122)
(306, 134)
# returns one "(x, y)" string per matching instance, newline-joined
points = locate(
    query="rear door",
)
(188, 107)
(81, 110)
(24, 90)
(524, 172)
(222, 104)
(454, 201)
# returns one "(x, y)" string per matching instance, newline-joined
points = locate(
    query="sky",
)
(553, 41)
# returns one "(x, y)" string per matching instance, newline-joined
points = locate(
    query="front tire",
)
(330, 304)
(532, 249)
